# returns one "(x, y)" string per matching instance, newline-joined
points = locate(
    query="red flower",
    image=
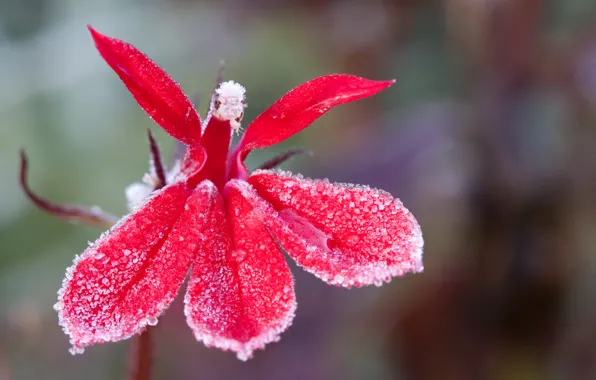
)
(228, 224)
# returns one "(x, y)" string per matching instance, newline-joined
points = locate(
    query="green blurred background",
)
(487, 136)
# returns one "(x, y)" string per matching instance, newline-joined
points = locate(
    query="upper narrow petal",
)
(241, 293)
(297, 110)
(304, 104)
(346, 235)
(127, 278)
(158, 94)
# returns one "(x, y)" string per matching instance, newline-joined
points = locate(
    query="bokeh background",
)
(488, 137)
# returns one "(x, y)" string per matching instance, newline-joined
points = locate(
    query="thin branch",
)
(156, 161)
(276, 161)
(92, 216)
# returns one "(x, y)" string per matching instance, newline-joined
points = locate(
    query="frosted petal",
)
(241, 293)
(304, 104)
(297, 109)
(129, 276)
(158, 94)
(344, 234)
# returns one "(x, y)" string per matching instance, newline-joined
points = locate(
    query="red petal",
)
(129, 276)
(300, 107)
(192, 163)
(346, 235)
(154, 90)
(241, 293)
(304, 104)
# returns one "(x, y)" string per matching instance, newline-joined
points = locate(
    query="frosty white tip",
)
(229, 103)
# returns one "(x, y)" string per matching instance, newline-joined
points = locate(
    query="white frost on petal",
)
(230, 102)
(243, 350)
(136, 193)
(77, 320)
(240, 293)
(403, 255)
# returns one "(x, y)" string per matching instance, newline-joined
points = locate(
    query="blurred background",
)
(488, 137)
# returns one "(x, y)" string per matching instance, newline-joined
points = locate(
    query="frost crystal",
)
(230, 103)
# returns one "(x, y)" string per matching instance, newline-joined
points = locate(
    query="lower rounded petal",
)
(241, 292)
(128, 277)
(344, 234)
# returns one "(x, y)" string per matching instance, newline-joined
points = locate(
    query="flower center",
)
(229, 103)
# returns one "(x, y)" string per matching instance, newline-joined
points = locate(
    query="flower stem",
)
(141, 357)
(93, 216)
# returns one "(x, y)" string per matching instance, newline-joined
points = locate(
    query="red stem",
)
(90, 216)
(141, 357)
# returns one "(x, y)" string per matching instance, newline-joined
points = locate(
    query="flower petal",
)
(299, 108)
(154, 90)
(191, 165)
(129, 276)
(346, 235)
(241, 293)
(304, 104)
